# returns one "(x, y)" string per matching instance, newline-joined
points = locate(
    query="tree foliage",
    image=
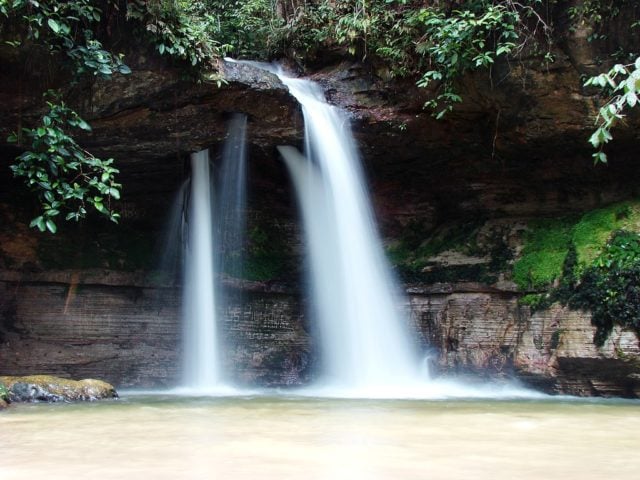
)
(66, 178)
(622, 84)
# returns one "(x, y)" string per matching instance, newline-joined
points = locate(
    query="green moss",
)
(610, 286)
(262, 267)
(537, 301)
(398, 253)
(545, 249)
(547, 242)
(459, 238)
(267, 256)
(594, 229)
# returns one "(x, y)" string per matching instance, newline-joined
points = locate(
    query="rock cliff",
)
(89, 303)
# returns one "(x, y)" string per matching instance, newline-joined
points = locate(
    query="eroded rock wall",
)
(130, 336)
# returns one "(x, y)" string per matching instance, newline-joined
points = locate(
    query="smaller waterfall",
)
(230, 219)
(201, 363)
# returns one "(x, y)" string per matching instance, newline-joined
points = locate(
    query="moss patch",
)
(268, 255)
(412, 254)
(547, 242)
(546, 245)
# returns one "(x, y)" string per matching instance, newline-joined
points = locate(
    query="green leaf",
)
(51, 226)
(38, 222)
(114, 193)
(83, 125)
(600, 157)
(53, 25)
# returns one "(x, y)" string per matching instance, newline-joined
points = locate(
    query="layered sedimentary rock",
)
(130, 335)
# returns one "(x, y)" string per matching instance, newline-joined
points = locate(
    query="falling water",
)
(201, 363)
(364, 342)
(231, 201)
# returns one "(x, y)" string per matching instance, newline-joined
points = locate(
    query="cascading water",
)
(231, 201)
(364, 340)
(201, 372)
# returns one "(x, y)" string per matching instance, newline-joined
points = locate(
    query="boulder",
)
(44, 388)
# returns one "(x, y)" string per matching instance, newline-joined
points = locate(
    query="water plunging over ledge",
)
(365, 344)
(201, 370)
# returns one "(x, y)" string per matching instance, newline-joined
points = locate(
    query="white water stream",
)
(201, 371)
(365, 345)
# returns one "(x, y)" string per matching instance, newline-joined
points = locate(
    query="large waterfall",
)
(365, 345)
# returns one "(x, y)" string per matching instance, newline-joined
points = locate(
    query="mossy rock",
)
(548, 241)
(52, 389)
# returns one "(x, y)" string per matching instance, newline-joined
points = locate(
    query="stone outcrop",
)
(45, 388)
(486, 333)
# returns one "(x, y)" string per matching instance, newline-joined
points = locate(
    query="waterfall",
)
(365, 345)
(231, 202)
(201, 363)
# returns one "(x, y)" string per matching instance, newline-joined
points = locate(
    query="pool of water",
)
(280, 437)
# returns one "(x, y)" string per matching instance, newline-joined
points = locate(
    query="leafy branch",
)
(622, 82)
(64, 176)
(67, 28)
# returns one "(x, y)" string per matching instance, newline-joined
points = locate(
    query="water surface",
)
(169, 437)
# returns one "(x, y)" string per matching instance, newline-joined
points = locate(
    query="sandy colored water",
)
(164, 437)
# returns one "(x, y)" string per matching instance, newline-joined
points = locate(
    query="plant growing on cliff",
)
(610, 287)
(622, 84)
(65, 177)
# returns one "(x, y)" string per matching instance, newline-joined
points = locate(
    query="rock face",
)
(44, 388)
(86, 302)
(489, 334)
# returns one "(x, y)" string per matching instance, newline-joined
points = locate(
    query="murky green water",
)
(163, 437)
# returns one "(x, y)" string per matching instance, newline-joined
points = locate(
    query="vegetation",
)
(545, 249)
(591, 263)
(434, 42)
(548, 242)
(610, 286)
(64, 177)
(622, 84)
(267, 257)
